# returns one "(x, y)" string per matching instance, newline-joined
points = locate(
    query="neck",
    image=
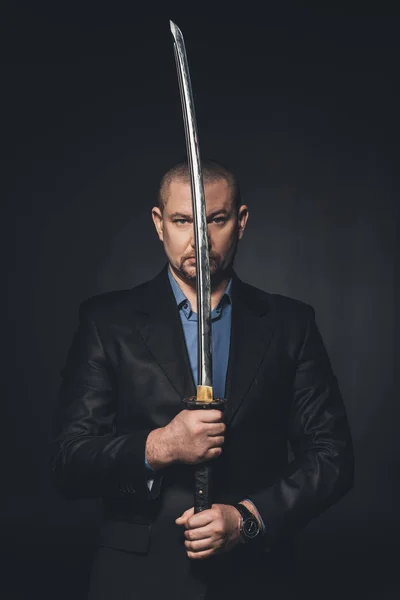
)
(218, 288)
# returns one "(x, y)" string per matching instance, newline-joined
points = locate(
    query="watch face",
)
(250, 528)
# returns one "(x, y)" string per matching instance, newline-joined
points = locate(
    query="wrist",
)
(157, 449)
(250, 524)
(253, 511)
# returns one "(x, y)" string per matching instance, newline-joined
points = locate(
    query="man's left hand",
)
(210, 531)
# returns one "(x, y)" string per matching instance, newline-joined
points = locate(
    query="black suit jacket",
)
(126, 374)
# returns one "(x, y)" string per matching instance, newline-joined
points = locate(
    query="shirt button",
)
(185, 305)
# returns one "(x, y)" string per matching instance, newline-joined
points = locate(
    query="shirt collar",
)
(181, 298)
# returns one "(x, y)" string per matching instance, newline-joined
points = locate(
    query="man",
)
(126, 436)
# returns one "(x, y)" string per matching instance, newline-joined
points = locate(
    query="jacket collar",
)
(151, 296)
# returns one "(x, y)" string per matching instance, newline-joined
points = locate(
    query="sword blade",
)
(203, 284)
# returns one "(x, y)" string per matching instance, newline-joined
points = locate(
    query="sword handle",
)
(203, 472)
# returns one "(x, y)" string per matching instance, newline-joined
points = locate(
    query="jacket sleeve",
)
(322, 470)
(87, 457)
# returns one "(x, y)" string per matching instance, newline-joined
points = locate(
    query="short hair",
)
(212, 171)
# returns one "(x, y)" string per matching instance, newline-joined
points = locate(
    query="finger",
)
(185, 516)
(216, 440)
(201, 533)
(199, 545)
(199, 555)
(216, 429)
(210, 415)
(200, 519)
(181, 520)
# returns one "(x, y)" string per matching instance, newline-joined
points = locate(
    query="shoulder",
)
(286, 305)
(291, 318)
(116, 303)
(277, 304)
(104, 303)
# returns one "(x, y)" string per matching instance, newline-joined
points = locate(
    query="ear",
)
(158, 222)
(243, 215)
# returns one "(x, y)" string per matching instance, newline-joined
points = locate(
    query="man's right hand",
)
(192, 437)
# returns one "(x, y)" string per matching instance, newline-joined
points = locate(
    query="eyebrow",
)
(178, 215)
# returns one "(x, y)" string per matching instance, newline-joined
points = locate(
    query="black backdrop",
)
(303, 107)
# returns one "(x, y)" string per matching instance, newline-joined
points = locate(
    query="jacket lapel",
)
(251, 336)
(162, 332)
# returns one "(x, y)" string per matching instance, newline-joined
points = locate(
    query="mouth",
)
(193, 259)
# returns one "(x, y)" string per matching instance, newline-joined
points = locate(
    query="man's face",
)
(175, 228)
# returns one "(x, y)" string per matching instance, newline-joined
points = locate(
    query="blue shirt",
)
(221, 318)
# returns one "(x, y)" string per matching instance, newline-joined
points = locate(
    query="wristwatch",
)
(249, 527)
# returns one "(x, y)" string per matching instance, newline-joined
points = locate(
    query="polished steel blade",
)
(203, 284)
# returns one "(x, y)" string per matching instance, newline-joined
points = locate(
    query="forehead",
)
(217, 196)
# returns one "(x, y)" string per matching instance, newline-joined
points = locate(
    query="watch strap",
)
(244, 511)
(247, 514)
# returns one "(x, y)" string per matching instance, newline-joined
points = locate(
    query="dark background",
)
(303, 106)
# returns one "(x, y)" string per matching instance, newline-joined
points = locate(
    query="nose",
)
(192, 241)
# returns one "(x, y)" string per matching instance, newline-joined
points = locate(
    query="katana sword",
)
(204, 398)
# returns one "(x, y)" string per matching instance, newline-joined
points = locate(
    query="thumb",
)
(184, 516)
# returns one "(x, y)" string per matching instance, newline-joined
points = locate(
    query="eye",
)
(219, 220)
(180, 221)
